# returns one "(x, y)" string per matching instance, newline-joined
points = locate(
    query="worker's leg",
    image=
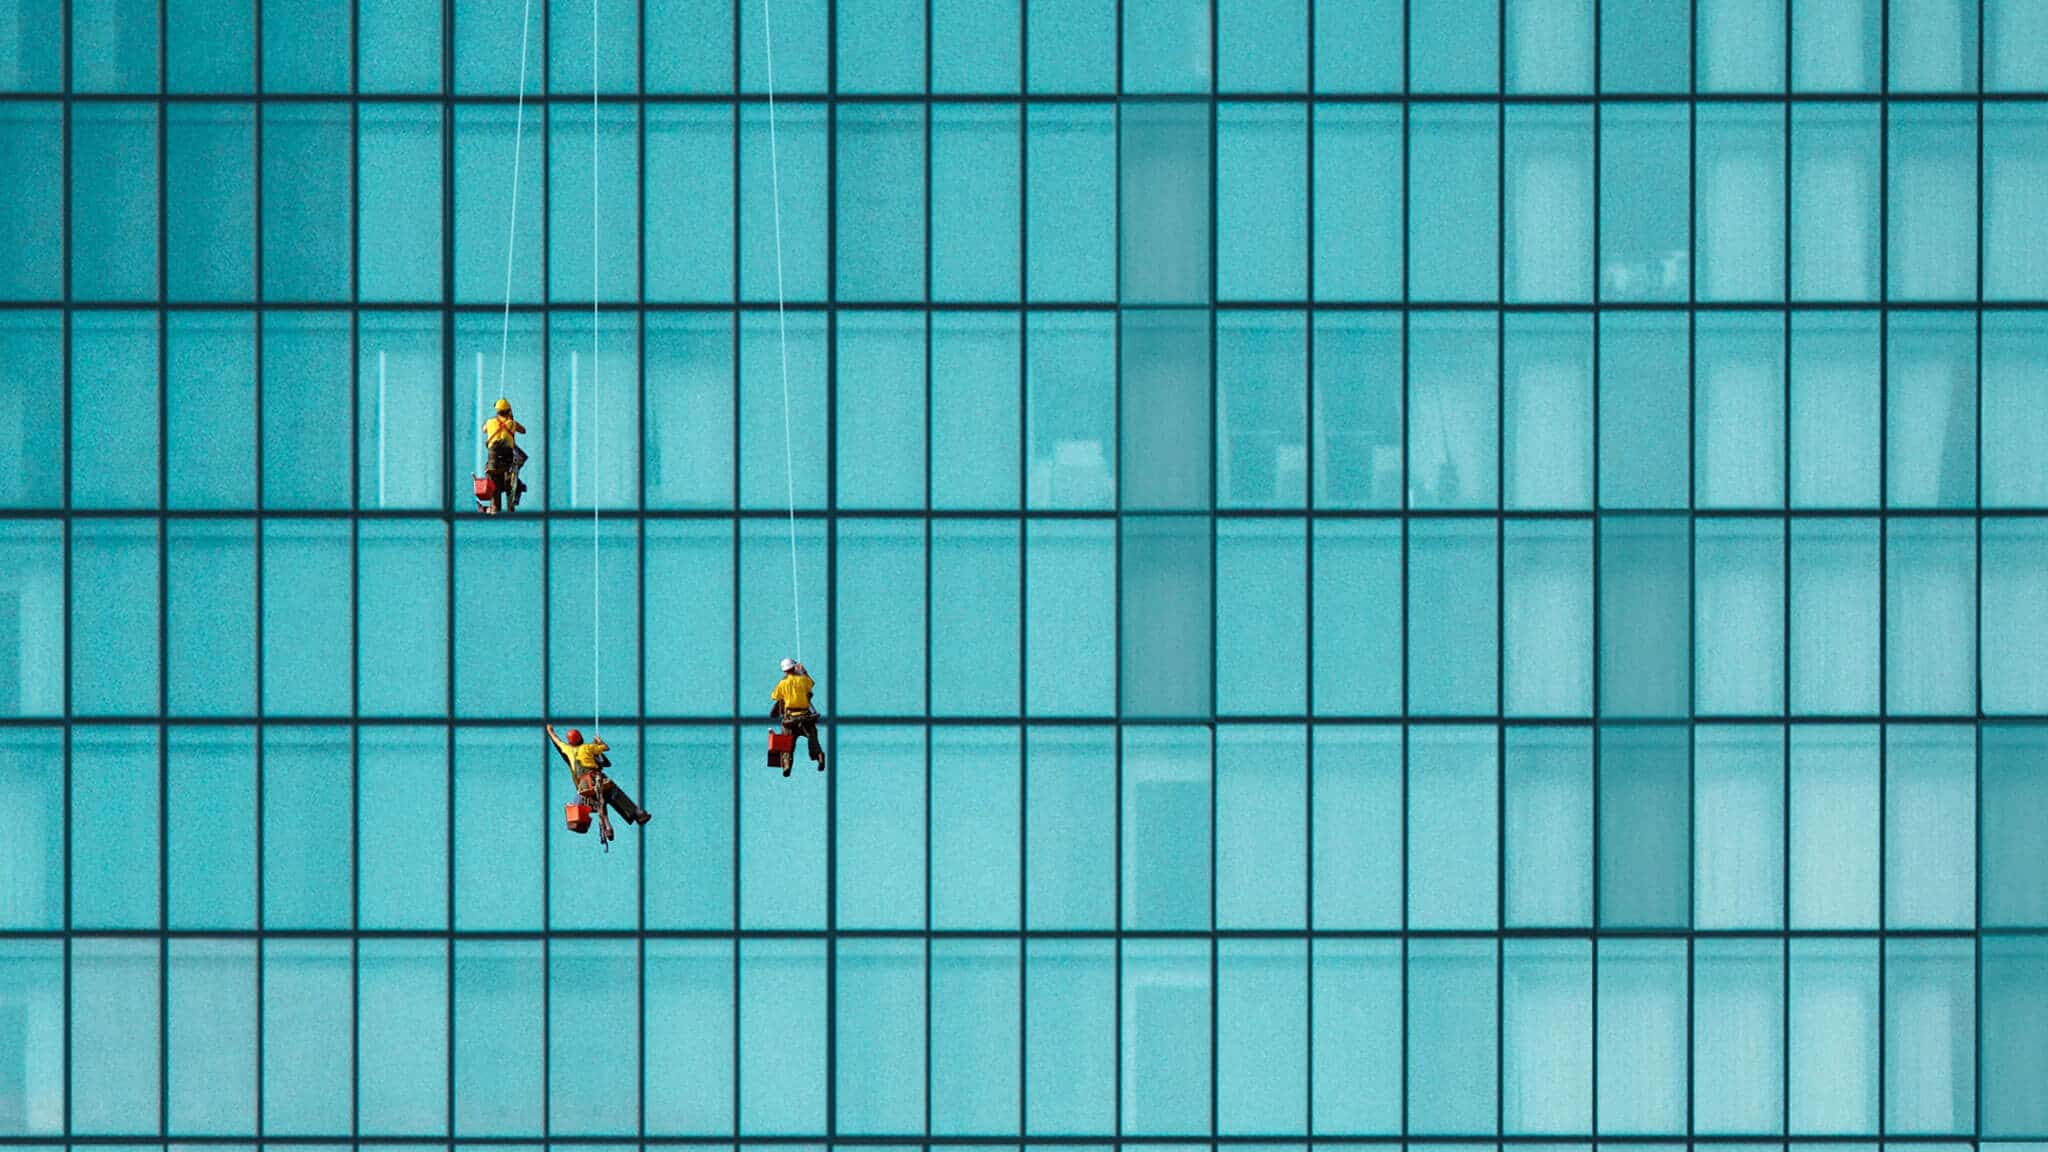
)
(810, 730)
(622, 803)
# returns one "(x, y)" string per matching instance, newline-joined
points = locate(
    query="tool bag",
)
(780, 743)
(577, 813)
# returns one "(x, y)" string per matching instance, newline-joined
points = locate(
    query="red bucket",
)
(578, 816)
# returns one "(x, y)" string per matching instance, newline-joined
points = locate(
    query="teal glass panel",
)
(1360, 46)
(398, 46)
(1168, 819)
(1165, 386)
(1166, 46)
(210, 775)
(1356, 430)
(1644, 1066)
(1738, 828)
(1548, 178)
(1837, 45)
(1355, 819)
(1645, 408)
(689, 1035)
(1072, 46)
(1741, 45)
(1261, 824)
(1547, 630)
(1070, 1036)
(1261, 617)
(1930, 828)
(32, 204)
(1453, 174)
(1550, 46)
(1836, 823)
(1835, 197)
(1261, 202)
(401, 844)
(1547, 412)
(116, 164)
(976, 173)
(306, 45)
(116, 598)
(2014, 615)
(1357, 1039)
(880, 823)
(1646, 47)
(1548, 843)
(1262, 46)
(1070, 828)
(689, 46)
(1835, 616)
(976, 815)
(1453, 827)
(1645, 807)
(1358, 238)
(879, 989)
(1453, 618)
(1739, 201)
(1454, 437)
(879, 202)
(1167, 1060)
(1644, 617)
(1931, 613)
(1453, 1037)
(1546, 1037)
(1832, 1051)
(1739, 617)
(879, 421)
(1261, 1036)
(685, 772)
(975, 46)
(1738, 994)
(2015, 1014)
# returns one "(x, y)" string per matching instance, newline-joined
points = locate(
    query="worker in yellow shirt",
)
(792, 706)
(587, 762)
(505, 458)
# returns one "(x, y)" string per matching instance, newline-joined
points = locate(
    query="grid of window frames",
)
(1446, 570)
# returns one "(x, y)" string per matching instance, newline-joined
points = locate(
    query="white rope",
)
(512, 222)
(596, 494)
(782, 332)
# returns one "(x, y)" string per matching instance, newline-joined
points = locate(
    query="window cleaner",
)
(499, 488)
(594, 789)
(792, 706)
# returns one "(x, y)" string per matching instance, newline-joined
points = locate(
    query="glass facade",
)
(1436, 571)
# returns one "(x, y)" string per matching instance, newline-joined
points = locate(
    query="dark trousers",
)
(616, 797)
(806, 727)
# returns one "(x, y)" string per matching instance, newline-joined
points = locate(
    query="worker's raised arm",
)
(560, 747)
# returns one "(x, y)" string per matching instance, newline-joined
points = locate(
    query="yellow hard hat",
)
(504, 405)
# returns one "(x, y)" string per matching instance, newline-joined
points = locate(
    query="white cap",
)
(787, 664)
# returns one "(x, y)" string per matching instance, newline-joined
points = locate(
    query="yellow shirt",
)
(582, 757)
(794, 692)
(501, 429)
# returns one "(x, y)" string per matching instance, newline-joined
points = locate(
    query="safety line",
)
(596, 494)
(782, 330)
(512, 222)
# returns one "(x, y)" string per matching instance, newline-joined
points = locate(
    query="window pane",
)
(765, 481)
(1643, 1062)
(211, 1026)
(1932, 198)
(1739, 617)
(1930, 1058)
(1550, 45)
(1260, 456)
(399, 390)
(1739, 373)
(691, 1013)
(1645, 822)
(1164, 242)
(974, 48)
(765, 571)
(583, 582)
(1261, 620)
(1359, 166)
(1359, 45)
(1931, 617)
(306, 206)
(1738, 989)
(1454, 45)
(1453, 808)
(800, 156)
(688, 419)
(1548, 631)
(1070, 575)
(211, 618)
(114, 175)
(1738, 831)
(1166, 45)
(1070, 1029)
(1070, 829)
(1073, 46)
(115, 658)
(1645, 411)
(1546, 1037)
(880, 199)
(1740, 206)
(212, 45)
(1358, 621)
(572, 232)
(879, 410)
(308, 613)
(1836, 45)
(1835, 412)
(402, 1049)
(489, 250)
(782, 851)
(1645, 238)
(1930, 421)
(1357, 1043)
(976, 864)
(1934, 46)
(212, 782)
(1357, 821)
(2015, 801)
(32, 650)
(880, 988)
(488, 50)
(1453, 1020)
(974, 1026)
(1070, 211)
(1646, 47)
(1742, 45)
(2014, 1015)
(32, 883)
(399, 201)
(306, 369)
(687, 772)
(782, 1036)
(1833, 1046)
(1930, 829)
(116, 433)
(1261, 817)
(1549, 179)
(308, 1014)
(690, 161)
(1835, 823)
(498, 846)
(1454, 405)
(1835, 613)
(2014, 377)
(1644, 624)
(1167, 794)
(975, 158)
(303, 45)
(32, 406)
(689, 590)
(1356, 411)
(498, 1036)
(35, 970)
(115, 872)
(974, 618)
(2014, 616)
(569, 64)
(116, 1029)
(1453, 617)
(574, 968)
(401, 842)
(398, 46)
(210, 197)
(1453, 205)
(1835, 200)
(881, 604)
(497, 576)
(210, 382)
(307, 873)
(2015, 206)
(1261, 224)
(1263, 48)
(1547, 444)
(1166, 1036)
(1549, 846)
(975, 410)
(1261, 1036)
(34, 61)
(879, 826)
